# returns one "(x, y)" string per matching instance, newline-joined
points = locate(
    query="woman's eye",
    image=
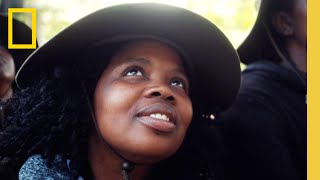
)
(134, 72)
(177, 83)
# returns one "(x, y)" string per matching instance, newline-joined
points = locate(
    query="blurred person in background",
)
(7, 72)
(264, 132)
(10, 62)
(11, 59)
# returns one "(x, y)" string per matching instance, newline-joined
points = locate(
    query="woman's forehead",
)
(147, 50)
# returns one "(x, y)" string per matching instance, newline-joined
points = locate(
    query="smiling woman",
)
(142, 93)
(113, 96)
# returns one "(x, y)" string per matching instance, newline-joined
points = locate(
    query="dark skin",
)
(293, 25)
(142, 110)
(7, 72)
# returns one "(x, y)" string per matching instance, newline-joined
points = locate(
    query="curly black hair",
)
(48, 118)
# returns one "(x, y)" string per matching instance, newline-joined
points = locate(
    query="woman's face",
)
(141, 102)
(299, 16)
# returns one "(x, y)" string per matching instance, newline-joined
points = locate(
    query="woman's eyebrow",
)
(137, 60)
(180, 70)
(132, 61)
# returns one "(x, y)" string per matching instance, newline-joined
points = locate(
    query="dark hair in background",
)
(52, 117)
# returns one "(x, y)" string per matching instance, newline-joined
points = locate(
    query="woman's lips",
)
(159, 116)
(165, 126)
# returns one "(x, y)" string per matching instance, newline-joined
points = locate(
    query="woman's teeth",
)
(159, 116)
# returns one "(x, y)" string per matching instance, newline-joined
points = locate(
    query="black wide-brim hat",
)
(257, 46)
(21, 34)
(215, 78)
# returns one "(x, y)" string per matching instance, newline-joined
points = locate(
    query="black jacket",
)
(264, 133)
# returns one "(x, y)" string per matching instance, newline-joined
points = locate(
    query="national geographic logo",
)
(10, 28)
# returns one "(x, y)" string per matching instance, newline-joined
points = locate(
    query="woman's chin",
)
(146, 158)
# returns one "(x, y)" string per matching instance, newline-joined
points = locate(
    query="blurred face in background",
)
(7, 72)
(298, 39)
(292, 25)
(299, 22)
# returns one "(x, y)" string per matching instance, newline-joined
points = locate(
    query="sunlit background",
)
(234, 17)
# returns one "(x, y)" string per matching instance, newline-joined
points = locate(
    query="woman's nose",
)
(160, 90)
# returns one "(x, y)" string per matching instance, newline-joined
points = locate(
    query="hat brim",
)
(216, 72)
(21, 34)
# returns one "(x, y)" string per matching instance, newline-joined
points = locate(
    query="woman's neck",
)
(105, 163)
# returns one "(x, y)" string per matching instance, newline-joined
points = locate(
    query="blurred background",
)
(234, 17)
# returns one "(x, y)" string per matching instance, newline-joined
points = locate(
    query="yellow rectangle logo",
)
(33, 44)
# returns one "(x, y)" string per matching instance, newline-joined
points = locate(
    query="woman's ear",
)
(282, 22)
